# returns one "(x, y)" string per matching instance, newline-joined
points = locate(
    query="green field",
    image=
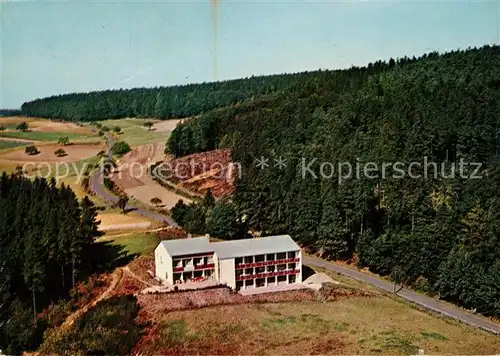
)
(11, 144)
(43, 136)
(354, 325)
(138, 243)
(134, 133)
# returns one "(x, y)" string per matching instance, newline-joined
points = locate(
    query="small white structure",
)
(241, 264)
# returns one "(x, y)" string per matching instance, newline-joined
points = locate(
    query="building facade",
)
(240, 264)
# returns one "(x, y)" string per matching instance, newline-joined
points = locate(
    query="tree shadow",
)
(108, 256)
(307, 272)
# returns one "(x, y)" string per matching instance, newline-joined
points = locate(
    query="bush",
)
(105, 129)
(109, 184)
(179, 212)
(63, 140)
(148, 124)
(60, 153)
(422, 285)
(23, 126)
(19, 334)
(109, 328)
(100, 133)
(117, 129)
(120, 148)
(31, 150)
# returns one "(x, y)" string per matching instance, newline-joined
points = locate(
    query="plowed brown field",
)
(199, 172)
(132, 176)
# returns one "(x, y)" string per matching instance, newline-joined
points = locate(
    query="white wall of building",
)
(163, 265)
(298, 278)
(227, 274)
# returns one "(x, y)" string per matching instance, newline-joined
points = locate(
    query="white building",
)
(249, 263)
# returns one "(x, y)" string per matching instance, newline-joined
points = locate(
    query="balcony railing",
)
(267, 263)
(265, 275)
(198, 267)
(208, 265)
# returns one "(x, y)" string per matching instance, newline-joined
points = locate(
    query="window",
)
(292, 266)
(291, 278)
(238, 260)
(261, 282)
(281, 279)
(270, 268)
(281, 267)
(248, 270)
(260, 270)
(271, 280)
(281, 256)
(239, 272)
(270, 257)
(291, 254)
(239, 285)
(249, 282)
(198, 261)
(260, 258)
(249, 259)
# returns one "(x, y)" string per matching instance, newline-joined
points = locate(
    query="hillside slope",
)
(436, 228)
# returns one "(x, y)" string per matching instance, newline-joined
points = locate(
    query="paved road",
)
(96, 185)
(425, 301)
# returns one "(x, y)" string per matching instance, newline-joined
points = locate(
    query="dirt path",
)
(127, 270)
(117, 276)
(129, 226)
(5, 138)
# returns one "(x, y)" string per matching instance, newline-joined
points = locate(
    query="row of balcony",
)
(267, 263)
(265, 275)
(197, 267)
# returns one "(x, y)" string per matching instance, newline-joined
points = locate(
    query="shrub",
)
(109, 328)
(60, 153)
(148, 124)
(117, 129)
(105, 129)
(422, 284)
(100, 133)
(63, 140)
(31, 150)
(120, 148)
(156, 201)
(23, 126)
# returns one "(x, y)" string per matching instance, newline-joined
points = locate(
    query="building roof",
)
(230, 249)
(190, 246)
(258, 246)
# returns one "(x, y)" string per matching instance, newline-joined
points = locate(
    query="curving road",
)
(96, 185)
(422, 300)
